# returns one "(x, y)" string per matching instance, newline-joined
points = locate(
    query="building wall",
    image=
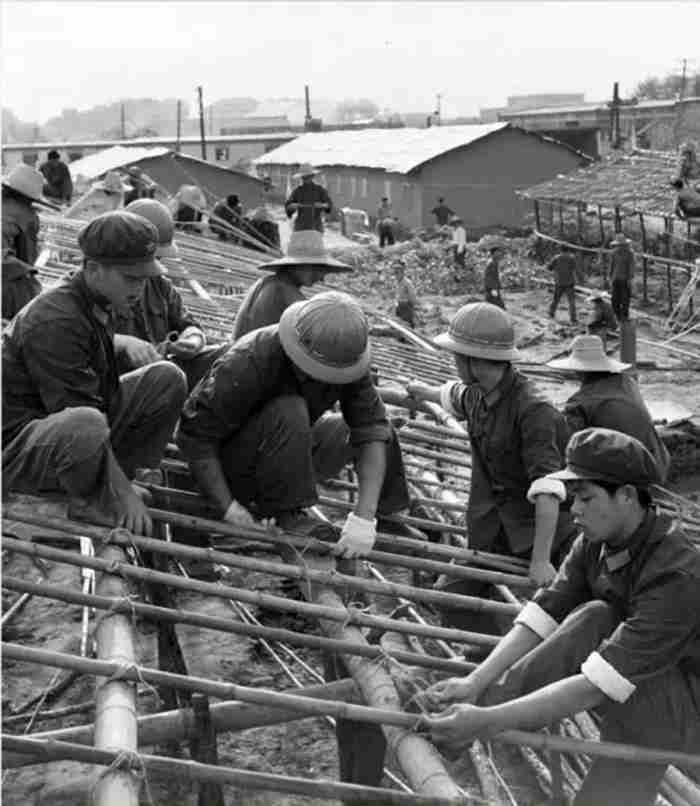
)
(479, 181)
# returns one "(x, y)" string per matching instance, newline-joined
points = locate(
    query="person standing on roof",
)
(305, 264)
(157, 324)
(618, 630)
(385, 223)
(492, 278)
(563, 267)
(608, 397)
(621, 274)
(517, 437)
(21, 189)
(309, 201)
(70, 422)
(442, 213)
(59, 185)
(230, 211)
(459, 246)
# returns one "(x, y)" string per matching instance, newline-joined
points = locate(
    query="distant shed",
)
(478, 169)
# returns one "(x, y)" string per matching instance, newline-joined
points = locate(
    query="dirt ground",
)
(305, 748)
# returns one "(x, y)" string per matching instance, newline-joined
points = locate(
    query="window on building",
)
(221, 153)
(74, 155)
(30, 157)
(363, 187)
(353, 187)
(339, 184)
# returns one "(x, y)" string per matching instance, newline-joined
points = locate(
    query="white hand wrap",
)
(357, 537)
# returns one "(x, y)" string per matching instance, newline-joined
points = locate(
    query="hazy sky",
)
(400, 54)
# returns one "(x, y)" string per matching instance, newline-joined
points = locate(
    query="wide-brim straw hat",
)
(306, 249)
(587, 355)
(327, 337)
(306, 169)
(28, 182)
(112, 182)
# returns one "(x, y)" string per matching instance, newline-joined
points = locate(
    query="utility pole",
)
(307, 117)
(438, 112)
(615, 117)
(211, 120)
(123, 121)
(683, 78)
(202, 135)
(179, 127)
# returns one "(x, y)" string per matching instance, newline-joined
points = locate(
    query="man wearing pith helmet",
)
(617, 630)
(517, 438)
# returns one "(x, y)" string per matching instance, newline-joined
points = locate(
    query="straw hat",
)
(587, 355)
(28, 182)
(161, 218)
(112, 183)
(306, 249)
(619, 239)
(327, 338)
(306, 169)
(481, 330)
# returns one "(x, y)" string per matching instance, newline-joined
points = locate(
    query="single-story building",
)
(477, 169)
(171, 171)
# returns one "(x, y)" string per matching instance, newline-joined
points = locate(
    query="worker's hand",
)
(459, 724)
(465, 690)
(357, 537)
(541, 573)
(238, 515)
(132, 513)
(139, 353)
(190, 343)
(418, 390)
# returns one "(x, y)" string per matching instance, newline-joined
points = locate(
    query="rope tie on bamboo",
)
(126, 761)
(124, 672)
(303, 567)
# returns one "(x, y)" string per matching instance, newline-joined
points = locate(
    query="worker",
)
(187, 206)
(102, 196)
(688, 166)
(385, 223)
(442, 213)
(230, 211)
(305, 264)
(309, 201)
(21, 189)
(58, 183)
(157, 324)
(70, 423)
(142, 186)
(608, 397)
(563, 267)
(406, 297)
(618, 630)
(459, 246)
(621, 274)
(517, 438)
(492, 277)
(602, 317)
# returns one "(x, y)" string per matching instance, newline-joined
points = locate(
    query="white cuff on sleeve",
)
(446, 398)
(537, 619)
(546, 486)
(193, 330)
(605, 677)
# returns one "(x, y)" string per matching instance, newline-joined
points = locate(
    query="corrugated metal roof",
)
(392, 150)
(109, 160)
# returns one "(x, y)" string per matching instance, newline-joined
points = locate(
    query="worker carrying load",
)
(309, 201)
(70, 422)
(617, 630)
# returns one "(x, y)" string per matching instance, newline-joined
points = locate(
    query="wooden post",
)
(561, 218)
(115, 700)
(203, 748)
(551, 215)
(645, 262)
(579, 221)
(603, 257)
(628, 342)
(618, 220)
(669, 286)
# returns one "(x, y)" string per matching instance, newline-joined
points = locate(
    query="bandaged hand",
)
(238, 515)
(357, 537)
(189, 343)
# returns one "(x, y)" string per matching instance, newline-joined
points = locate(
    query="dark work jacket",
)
(59, 184)
(563, 266)
(653, 584)
(517, 438)
(160, 311)
(621, 265)
(265, 302)
(255, 371)
(492, 280)
(20, 234)
(613, 400)
(57, 353)
(309, 217)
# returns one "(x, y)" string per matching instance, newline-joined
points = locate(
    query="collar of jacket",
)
(617, 557)
(98, 305)
(501, 389)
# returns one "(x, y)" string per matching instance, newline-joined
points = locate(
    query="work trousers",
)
(276, 459)
(564, 291)
(662, 713)
(386, 235)
(195, 368)
(74, 450)
(620, 299)
(407, 312)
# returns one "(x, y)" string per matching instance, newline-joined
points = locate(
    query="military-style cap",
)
(601, 454)
(123, 241)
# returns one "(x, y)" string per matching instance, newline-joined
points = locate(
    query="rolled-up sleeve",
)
(364, 412)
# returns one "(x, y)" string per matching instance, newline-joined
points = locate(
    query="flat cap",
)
(124, 241)
(601, 454)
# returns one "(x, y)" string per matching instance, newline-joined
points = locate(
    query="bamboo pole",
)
(194, 771)
(115, 700)
(306, 574)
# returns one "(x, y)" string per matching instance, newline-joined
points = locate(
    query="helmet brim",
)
(489, 352)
